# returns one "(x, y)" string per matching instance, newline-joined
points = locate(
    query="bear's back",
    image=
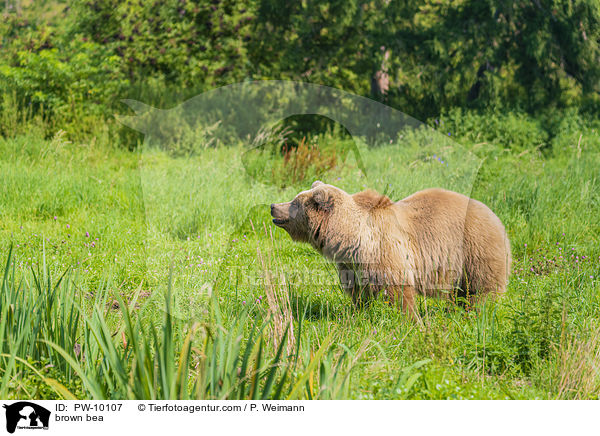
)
(434, 208)
(450, 228)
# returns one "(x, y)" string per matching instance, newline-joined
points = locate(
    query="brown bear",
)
(434, 242)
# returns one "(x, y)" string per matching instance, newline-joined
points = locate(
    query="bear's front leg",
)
(406, 296)
(352, 283)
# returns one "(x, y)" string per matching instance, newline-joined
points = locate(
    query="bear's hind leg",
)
(485, 291)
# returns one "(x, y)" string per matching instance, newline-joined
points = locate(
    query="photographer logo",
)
(26, 415)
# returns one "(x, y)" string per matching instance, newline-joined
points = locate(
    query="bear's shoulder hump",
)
(370, 199)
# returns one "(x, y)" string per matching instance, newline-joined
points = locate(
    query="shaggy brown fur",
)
(434, 242)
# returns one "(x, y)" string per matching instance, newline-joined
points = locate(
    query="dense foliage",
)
(420, 57)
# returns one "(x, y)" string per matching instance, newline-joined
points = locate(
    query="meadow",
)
(151, 274)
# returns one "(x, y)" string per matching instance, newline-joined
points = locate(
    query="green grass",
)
(142, 275)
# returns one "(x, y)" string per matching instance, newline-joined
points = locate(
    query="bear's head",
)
(331, 220)
(308, 214)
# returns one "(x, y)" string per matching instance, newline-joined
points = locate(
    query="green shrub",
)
(516, 131)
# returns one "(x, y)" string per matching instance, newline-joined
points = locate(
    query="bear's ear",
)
(316, 183)
(323, 198)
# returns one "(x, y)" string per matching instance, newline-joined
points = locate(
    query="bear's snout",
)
(280, 213)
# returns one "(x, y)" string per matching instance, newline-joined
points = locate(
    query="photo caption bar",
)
(155, 417)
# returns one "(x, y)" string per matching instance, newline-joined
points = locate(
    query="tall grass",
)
(125, 356)
(35, 309)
